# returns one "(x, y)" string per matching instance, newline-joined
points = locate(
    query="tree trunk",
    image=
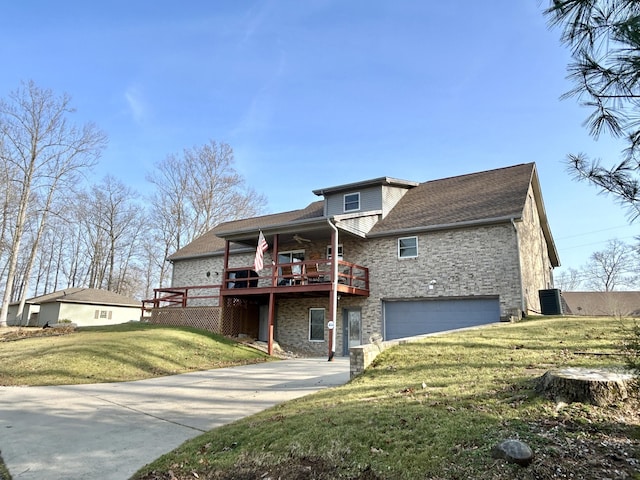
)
(596, 386)
(34, 250)
(15, 250)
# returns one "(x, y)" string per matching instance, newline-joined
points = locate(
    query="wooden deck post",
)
(225, 266)
(274, 260)
(272, 299)
(271, 315)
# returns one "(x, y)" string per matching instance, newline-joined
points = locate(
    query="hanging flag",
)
(263, 246)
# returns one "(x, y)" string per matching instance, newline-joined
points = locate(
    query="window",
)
(408, 247)
(352, 202)
(339, 252)
(316, 324)
(294, 256)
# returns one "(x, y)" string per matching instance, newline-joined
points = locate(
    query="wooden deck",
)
(311, 277)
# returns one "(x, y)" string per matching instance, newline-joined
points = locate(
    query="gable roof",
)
(473, 198)
(92, 296)
(491, 196)
(50, 296)
(213, 241)
(374, 182)
(485, 197)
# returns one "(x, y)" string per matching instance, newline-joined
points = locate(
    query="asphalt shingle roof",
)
(211, 243)
(92, 296)
(467, 198)
(49, 297)
(476, 197)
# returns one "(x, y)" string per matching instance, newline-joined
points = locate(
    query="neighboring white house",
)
(82, 306)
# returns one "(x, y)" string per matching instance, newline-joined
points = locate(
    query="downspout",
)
(272, 297)
(522, 302)
(333, 296)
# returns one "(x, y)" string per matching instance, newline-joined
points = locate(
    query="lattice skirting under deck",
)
(230, 320)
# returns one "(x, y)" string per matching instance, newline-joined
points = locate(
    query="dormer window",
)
(352, 202)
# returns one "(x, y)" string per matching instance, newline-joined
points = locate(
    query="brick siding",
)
(503, 260)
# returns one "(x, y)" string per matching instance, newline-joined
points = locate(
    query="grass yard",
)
(115, 353)
(434, 410)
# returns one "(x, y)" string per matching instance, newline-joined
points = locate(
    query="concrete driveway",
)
(108, 431)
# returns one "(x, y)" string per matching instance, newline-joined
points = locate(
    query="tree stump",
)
(597, 386)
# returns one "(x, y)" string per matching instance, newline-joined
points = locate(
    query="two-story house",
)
(380, 258)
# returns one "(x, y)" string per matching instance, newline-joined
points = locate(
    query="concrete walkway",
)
(108, 431)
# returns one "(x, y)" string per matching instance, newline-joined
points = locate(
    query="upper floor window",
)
(329, 253)
(352, 202)
(408, 247)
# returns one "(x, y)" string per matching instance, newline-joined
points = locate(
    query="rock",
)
(513, 451)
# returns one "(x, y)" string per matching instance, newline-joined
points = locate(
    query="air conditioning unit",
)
(550, 301)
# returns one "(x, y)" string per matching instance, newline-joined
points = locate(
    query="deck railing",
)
(303, 273)
(308, 274)
(190, 296)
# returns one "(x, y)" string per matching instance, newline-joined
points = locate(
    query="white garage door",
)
(409, 318)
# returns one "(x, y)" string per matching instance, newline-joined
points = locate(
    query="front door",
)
(263, 329)
(352, 328)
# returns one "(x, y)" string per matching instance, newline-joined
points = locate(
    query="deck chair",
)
(312, 273)
(286, 275)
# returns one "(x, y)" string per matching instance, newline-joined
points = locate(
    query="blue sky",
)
(317, 93)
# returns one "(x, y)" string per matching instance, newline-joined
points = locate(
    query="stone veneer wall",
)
(292, 324)
(478, 261)
(474, 261)
(194, 271)
(534, 256)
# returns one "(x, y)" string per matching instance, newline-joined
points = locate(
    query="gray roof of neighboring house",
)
(92, 296)
(50, 296)
(483, 197)
(602, 303)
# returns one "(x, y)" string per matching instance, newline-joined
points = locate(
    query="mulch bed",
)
(11, 334)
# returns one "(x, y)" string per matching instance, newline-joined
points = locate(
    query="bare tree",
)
(611, 268)
(569, 280)
(9, 201)
(114, 227)
(46, 153)
(196, 191)
(154, 265)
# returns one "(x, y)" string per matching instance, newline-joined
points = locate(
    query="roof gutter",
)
(216, 253)
(288, 227)
(447, 226)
